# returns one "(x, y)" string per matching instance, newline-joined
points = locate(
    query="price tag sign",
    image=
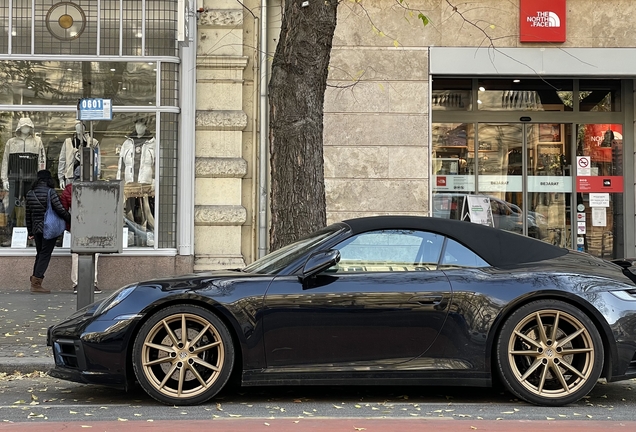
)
(95, 109)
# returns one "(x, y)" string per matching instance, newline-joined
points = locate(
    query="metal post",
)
(85, 277)
(86, 262)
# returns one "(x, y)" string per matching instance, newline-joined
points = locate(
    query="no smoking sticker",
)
(583, 166)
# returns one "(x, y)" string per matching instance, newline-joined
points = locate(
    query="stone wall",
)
(223, 214)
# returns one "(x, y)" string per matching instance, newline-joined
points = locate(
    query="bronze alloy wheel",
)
(550, 353)
(183, 355)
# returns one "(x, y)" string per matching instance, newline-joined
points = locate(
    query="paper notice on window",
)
(600, 199)
(599, 216)
(19, 237)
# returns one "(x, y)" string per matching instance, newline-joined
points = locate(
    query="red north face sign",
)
(542, 21)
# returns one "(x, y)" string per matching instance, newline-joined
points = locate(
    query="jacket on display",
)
(70, 153)
(137, 156)
(36, 207)
(31, 144)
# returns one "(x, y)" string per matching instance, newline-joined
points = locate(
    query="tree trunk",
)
(296, 97)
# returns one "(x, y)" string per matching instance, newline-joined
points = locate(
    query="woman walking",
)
(36, 203)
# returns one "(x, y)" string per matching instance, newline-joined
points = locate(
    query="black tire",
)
(183, 371)
(555, 367)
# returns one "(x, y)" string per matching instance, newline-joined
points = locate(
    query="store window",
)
(555, 174)
(139, 146)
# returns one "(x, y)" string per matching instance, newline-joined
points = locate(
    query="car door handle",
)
(427, 300)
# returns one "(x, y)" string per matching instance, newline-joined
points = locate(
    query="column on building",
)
(221, 127)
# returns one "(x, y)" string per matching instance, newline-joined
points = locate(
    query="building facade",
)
(417, 119)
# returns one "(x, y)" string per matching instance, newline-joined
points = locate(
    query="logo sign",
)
(94, 109)
(441, 181)
(542, 21)
(600, 184)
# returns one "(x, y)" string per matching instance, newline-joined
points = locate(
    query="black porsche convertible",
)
(378, 300)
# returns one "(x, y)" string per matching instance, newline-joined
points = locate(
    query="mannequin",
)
(137, 158)
(137, 155)
(70, 154)
(24, 156)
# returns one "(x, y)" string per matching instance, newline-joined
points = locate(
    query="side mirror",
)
(320, 261)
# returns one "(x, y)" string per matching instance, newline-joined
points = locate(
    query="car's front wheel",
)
(183, 355)
(549, 353)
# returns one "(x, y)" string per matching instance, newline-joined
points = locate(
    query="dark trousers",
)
(44, 250)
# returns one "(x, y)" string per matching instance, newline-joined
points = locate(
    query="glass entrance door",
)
(525, 169)
(599, 190)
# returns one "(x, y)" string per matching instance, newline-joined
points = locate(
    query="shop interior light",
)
(478, 101)
(516, 81)
(113, 70)
(482, 89)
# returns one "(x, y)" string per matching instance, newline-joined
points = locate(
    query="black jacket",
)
(35, 209)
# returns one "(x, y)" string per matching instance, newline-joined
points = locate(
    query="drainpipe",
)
(263, 202)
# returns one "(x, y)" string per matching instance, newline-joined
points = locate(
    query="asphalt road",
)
(37, 398)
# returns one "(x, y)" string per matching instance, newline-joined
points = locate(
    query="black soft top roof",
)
(498, 247)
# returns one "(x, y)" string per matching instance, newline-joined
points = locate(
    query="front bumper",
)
(91, 351)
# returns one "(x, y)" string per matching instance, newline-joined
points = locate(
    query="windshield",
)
(281, 258)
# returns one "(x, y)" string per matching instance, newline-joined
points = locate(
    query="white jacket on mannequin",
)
(142, 147)
(22, 144)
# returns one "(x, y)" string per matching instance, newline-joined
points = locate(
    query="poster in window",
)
(550, 133)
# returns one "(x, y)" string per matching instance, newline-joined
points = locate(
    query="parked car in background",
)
(506, 216)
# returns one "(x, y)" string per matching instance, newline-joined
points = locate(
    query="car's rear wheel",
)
(183, 355)
(549, 353)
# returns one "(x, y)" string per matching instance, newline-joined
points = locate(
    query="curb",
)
(26, 365)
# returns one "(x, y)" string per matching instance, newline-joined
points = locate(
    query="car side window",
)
(457, 255)
(390, 250)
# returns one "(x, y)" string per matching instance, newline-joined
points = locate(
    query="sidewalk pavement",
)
(24, 320)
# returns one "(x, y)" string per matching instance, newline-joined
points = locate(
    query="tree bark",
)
(296, 97)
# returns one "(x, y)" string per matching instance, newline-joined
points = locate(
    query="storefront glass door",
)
(523, 169)
(599, 189)
(559, 183)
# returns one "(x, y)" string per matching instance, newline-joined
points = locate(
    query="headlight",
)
(115, 298)
(627, 295)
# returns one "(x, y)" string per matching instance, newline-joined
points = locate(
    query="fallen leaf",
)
(121, 419)
(266, 424)
(549, 418)
(359, 428)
